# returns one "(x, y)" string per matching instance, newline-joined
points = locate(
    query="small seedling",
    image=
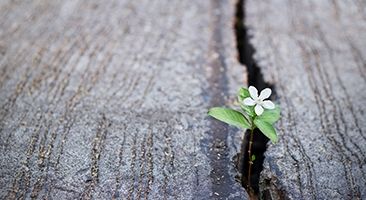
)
(255, 112)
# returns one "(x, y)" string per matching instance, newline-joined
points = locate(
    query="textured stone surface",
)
(108, 99)
(314, 52)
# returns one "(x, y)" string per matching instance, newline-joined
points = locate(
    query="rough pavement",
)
(314, 54)
(109, 100)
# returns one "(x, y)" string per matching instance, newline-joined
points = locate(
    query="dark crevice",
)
(255, 78)
(246, 49)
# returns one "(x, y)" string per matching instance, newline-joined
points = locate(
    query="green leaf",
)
(253, 158)
(249, 110)
(242, 94)
(267, 129)
(229, 116)
(270, 115)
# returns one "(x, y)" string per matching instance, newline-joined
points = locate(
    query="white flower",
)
(259, 101)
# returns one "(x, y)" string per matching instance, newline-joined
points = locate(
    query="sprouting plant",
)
(256, 112)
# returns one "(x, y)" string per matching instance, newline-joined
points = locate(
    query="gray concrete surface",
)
(108, 99)
(314, 52)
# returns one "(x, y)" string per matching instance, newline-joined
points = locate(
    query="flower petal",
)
(253, 92)
(258, 109)
(265, 94)
(249, 101)
(268, 104)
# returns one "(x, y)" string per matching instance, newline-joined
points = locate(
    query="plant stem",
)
(250, 162)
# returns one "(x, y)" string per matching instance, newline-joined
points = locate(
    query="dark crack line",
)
(255, 78)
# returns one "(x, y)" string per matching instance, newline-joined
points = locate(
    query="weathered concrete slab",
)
(314, 53)
(102, 100)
